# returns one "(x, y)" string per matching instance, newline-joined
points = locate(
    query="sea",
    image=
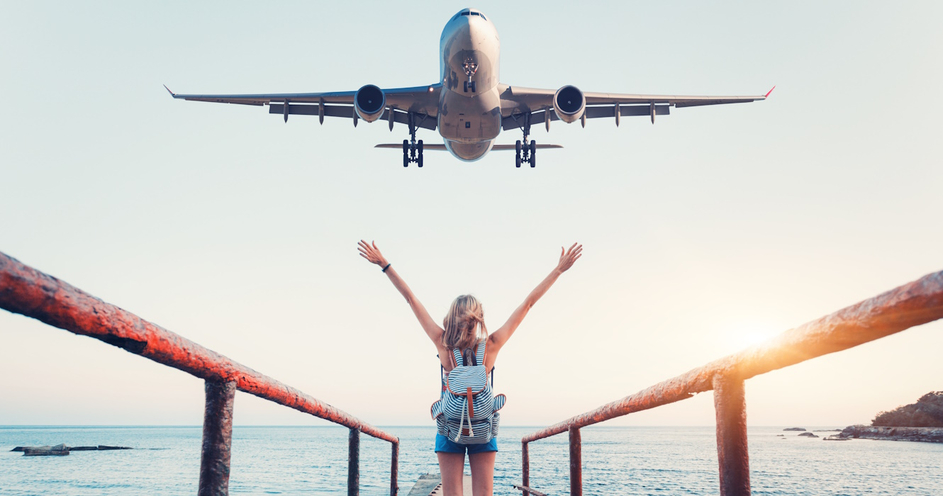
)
(313, 461)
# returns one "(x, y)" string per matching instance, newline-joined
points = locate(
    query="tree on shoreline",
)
(926, 412)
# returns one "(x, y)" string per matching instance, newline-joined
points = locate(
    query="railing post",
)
(731, 413)
(394, 470)
(525, 467)
(576, 462)
(353, 462)
(217, 438)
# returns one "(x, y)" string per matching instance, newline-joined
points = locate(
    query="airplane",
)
(468, 105)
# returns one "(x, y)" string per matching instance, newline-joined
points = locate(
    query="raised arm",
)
(567, 258)
(370, 252)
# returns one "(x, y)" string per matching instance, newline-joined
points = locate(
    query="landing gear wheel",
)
(419, 154)
(517, 159)
(533, 154)
(405, 153)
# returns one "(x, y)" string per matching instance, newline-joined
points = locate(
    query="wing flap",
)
(399, 116)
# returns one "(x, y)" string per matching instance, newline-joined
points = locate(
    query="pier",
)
(27, 291)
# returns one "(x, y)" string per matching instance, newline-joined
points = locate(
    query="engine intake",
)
(369, 102)
(569, 104)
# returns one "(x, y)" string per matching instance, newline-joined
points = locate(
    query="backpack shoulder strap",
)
(480, 354)
(457, 355)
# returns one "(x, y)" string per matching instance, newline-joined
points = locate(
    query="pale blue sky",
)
(702, 232)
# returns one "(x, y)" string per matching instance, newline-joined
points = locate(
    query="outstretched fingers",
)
(369, 251)
(570, 256)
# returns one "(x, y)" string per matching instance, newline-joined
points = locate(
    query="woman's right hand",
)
(569, 257)
(370, 252)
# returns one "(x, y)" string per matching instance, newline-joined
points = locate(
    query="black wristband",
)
(384, 268)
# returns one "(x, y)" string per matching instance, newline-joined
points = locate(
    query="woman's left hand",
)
(371, 253)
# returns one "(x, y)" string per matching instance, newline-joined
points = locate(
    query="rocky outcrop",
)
(798, 429)
(57, 450)
(61, 449)
(919, 434)
(807, 434)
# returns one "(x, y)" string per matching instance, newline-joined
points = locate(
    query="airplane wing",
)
(536, 105)
(421, 101)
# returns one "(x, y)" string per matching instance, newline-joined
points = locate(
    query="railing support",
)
(394, 471)
(525, 468)
(217, 438)
(576, 462)
(353, 462)
(731, 412)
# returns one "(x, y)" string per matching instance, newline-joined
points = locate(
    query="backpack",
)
(467, 412)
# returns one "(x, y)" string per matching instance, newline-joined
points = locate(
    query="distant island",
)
(926, 412)
(921, 421)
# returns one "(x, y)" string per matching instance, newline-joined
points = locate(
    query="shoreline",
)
(913, 434)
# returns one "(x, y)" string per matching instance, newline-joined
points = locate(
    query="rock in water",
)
(800, 429)
(57, 450)
(807, 434)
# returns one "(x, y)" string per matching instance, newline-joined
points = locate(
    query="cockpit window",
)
(471, 13)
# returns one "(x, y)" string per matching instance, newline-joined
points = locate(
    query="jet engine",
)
(569, 104)
(369, 102)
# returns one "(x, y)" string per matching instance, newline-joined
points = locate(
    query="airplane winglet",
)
(764, 96)
(168, 91)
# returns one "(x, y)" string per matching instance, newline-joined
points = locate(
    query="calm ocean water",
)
(313, 460)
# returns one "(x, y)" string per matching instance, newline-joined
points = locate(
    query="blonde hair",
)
(461, 323)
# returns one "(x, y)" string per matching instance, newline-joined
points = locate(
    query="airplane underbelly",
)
(464, 119)
(468, 152)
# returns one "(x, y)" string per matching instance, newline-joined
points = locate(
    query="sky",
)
(709, 231)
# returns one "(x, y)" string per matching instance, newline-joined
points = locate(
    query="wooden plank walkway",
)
(431, 485)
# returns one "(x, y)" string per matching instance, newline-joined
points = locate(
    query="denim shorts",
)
(446, 445)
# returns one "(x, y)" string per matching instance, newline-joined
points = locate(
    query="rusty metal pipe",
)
(525, 468)
(394, 471)
(732, 456)
(27, 291)
(353, 463)
(906, 306)
(576, 462)
(217, 439)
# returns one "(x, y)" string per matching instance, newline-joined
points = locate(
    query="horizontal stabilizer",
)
(540, 146)
(399, 146)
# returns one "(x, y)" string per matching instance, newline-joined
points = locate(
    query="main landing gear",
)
(412, 152)
(526, 152)
(412, 149)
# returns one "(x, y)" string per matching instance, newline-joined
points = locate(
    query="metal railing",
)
(906, 306)
(32, 293)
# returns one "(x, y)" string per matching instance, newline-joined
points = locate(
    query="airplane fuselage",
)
(469, 114)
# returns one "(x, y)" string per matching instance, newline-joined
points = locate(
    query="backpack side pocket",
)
(441, 426)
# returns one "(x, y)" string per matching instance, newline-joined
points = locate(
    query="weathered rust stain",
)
(353, 463)
(217, 439)
(576, 462)
(732, 455)
(525, 468)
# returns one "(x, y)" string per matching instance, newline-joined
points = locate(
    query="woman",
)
(464, 327)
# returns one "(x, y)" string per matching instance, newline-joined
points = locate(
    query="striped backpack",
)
(467, 412)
